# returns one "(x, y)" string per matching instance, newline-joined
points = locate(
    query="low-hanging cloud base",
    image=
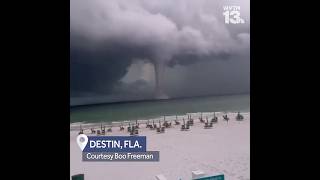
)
(116, 44)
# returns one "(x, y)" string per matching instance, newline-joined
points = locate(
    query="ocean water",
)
(152, 109)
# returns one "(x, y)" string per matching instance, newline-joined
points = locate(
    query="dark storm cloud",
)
(108, 36)
(97, 68)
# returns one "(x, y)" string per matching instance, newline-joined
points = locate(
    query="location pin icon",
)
(82, 140)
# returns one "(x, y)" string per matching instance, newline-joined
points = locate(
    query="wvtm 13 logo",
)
(232, 15)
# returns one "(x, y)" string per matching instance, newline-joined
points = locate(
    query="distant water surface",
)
(150, 109)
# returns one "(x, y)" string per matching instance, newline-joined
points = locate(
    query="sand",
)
(224, 149)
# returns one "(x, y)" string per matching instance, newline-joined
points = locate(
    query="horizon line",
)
(150, 100)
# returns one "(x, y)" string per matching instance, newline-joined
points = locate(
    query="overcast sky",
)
(115, 44)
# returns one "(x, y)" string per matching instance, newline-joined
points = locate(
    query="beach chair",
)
(151, 126)
(239, 117)
(191, 120)
(187, 127)
(162, 129)
(109, 129)
(98, 132)
(148, 125)
(121, 128)
(176, 122)
(183, 127)
(206, 125)
(81, 130)
(201, 119)
(214, 119)
(158, 130)
(93, 131)
(167, 124)
(131, 132)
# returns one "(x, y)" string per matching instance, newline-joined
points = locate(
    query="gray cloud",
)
(107, 38)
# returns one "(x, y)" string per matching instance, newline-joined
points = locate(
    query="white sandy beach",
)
(223, 149)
